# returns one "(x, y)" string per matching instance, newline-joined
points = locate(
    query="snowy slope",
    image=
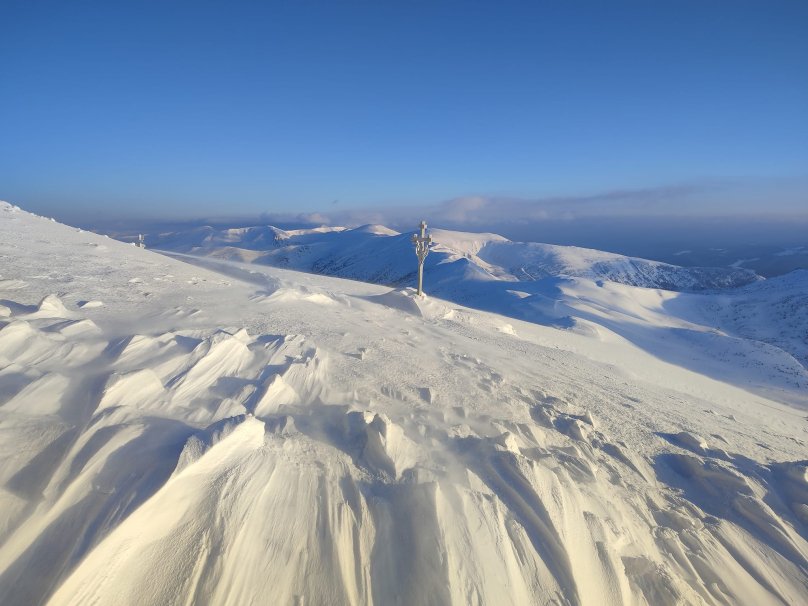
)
(560, 286)
(173, 434)
(374, 253)
(774, 311)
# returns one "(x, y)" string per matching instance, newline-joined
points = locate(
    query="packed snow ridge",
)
(230, 433)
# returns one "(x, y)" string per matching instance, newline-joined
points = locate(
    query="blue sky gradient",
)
(185, 109)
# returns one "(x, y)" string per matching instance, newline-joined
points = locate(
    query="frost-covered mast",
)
(422, 243)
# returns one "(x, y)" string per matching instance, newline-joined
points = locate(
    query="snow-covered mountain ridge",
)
(374, 253)
(240, 434)
(561, 286)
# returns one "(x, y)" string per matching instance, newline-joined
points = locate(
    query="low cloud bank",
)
(736, 198)
(710, 223)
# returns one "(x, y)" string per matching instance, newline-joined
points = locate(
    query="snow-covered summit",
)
(219, 432)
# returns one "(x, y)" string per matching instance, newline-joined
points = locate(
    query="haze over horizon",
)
(477, 113)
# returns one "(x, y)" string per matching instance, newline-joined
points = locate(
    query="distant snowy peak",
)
(375, 253)
(533, 261)
(378, 230)
(465, 242)
(257, 237)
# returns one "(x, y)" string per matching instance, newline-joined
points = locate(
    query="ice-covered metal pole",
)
(422, 243)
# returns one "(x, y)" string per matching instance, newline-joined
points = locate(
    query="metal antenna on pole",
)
(421, 250)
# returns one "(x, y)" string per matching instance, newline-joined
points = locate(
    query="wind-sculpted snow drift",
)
(288, 439)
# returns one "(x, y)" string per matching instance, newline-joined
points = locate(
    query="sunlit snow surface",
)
(238, 434)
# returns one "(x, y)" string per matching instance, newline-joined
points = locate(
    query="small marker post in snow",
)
(140, 242)
(422, 243)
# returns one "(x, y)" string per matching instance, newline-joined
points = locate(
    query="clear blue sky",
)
(173, 108)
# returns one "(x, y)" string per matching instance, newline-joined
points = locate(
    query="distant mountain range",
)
(374, 253)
